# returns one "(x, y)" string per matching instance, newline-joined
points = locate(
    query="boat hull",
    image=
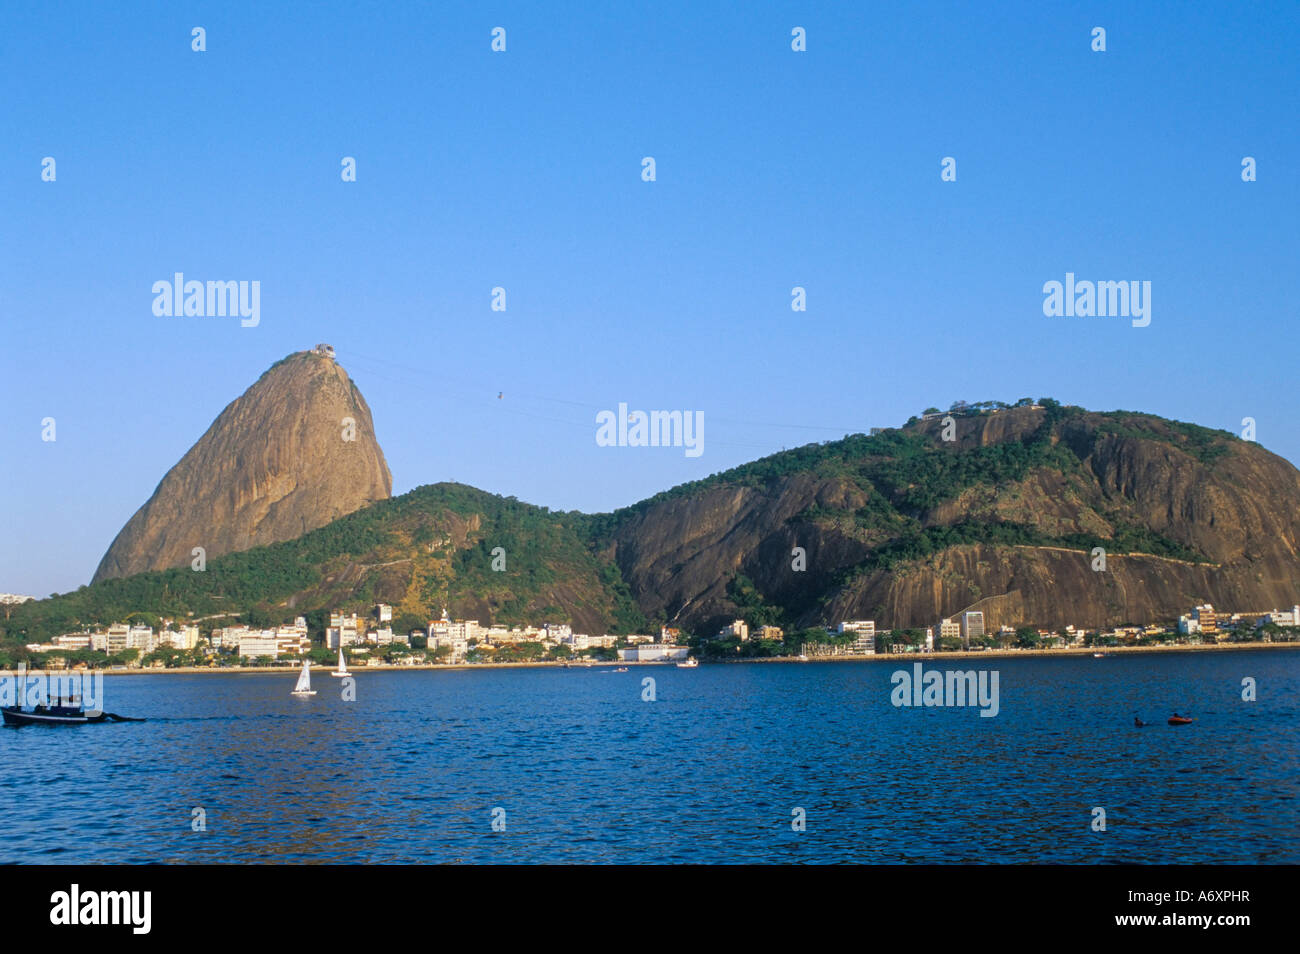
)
(17, 717)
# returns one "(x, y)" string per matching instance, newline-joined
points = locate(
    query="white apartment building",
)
(117, 638)
(738, 628)
(72, 641)
(864, 631)
(141, 638)
(972, 624)
(1284, 618)
(227, 637)
(259, 643)
(185, 638)
(559, 632)
(458, 645)
(343, 631)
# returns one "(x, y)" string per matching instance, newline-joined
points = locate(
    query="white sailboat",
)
(304, 681)
(343, 667)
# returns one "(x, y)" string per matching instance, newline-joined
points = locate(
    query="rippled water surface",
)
(709, 772)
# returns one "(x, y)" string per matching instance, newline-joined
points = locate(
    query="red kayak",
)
(1179, 720)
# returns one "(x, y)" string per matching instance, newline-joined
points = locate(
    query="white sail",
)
(343, 666)
(304, 678)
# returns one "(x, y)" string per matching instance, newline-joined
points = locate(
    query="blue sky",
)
(522, 169)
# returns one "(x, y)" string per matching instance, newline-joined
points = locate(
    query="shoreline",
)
(1074, 652)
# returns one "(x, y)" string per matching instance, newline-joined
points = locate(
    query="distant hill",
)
(902, 527)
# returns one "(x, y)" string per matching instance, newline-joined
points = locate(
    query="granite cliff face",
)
(907, 528)
(272, 466)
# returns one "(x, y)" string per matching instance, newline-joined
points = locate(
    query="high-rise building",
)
(738, 628)
(972, 624)
(864, 631)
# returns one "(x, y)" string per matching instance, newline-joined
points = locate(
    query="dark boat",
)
(49, 715)
(71, 714)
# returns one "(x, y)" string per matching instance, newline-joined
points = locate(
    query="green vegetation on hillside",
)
(437, 544)
(542, 549)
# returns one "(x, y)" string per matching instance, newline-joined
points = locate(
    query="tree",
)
(1027, 638)
(912, 637)
(408, 622)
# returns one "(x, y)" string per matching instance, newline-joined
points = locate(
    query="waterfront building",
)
(290, 643)
(558, 632)
(864, 631)
(261, 642)
(738, 628)
(185, 638)
(71, 641)
(1285, 618)
(948, 629)
(117, 637)
(343, 631)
